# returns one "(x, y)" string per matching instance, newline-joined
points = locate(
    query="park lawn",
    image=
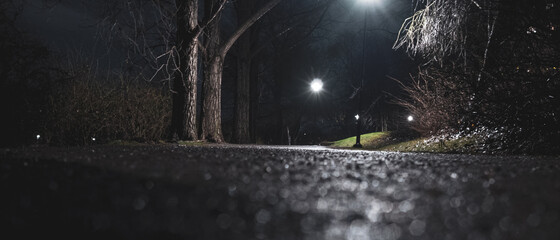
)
(369, 140)
(465, 144)
(383, 141)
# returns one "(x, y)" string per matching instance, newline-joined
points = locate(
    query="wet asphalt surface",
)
(252, 192)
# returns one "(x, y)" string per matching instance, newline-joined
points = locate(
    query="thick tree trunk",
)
(179, 109)
(241, 127)
(215, 55)
(212, 87)
(211, 116)
(242, 98)
(192, 77)
(183, 123)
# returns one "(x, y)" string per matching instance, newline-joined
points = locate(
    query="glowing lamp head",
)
(368, 1)
(316, 85)
(357, 117)
(410, 118)
(38, 136)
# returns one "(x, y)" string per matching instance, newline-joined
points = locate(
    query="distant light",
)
(93, 139)
(410, 118)
(316, 85)
(357, 117)
(38, 136)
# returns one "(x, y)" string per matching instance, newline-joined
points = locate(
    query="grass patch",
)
(439, 144)
(387, 141)
(368, 140)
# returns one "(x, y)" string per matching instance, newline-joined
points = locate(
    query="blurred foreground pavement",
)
(260, 192)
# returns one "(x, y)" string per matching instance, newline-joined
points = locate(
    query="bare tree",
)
(183, 123)
(241, 129)
(162, 37)
(216, 52)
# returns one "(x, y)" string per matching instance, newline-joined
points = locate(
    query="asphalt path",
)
(274, 192)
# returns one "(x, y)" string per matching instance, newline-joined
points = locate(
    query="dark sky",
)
(69, 27)
(63, 26)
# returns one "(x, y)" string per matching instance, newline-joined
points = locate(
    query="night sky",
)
(64, 25)
(73, 26)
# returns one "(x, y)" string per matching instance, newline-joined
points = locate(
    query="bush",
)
(522, 118)
(493, 72)
(84, 112)
(435, 100)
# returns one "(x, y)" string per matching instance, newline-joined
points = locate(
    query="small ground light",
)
(38, 136)
(357, 117)
(316, 85)
(410, 118)
(93, 139)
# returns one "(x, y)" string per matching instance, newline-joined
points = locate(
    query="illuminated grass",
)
(368, 140)
(456, 145)
(384, 142)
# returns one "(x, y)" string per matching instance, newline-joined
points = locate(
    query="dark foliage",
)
(25, 77)
(46, 100)
(85, 112)
(493, 65)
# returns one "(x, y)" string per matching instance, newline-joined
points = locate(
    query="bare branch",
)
(244, 26)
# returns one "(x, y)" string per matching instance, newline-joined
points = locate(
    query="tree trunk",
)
(211, 118)
(278, 113)
(254, 106)
(241, 132)
(215, 55)
(212, 86)
(179, 109)
(242, 98)
(183, 123)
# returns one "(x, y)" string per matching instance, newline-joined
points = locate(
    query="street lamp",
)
(316, 85)
(358, 122)
(368, 1)
(410, 118)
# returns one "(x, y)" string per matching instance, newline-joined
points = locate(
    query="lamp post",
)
(358, 122)
(316, 86)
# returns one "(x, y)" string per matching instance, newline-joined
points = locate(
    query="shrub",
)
(83, 112)
(435, 102)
